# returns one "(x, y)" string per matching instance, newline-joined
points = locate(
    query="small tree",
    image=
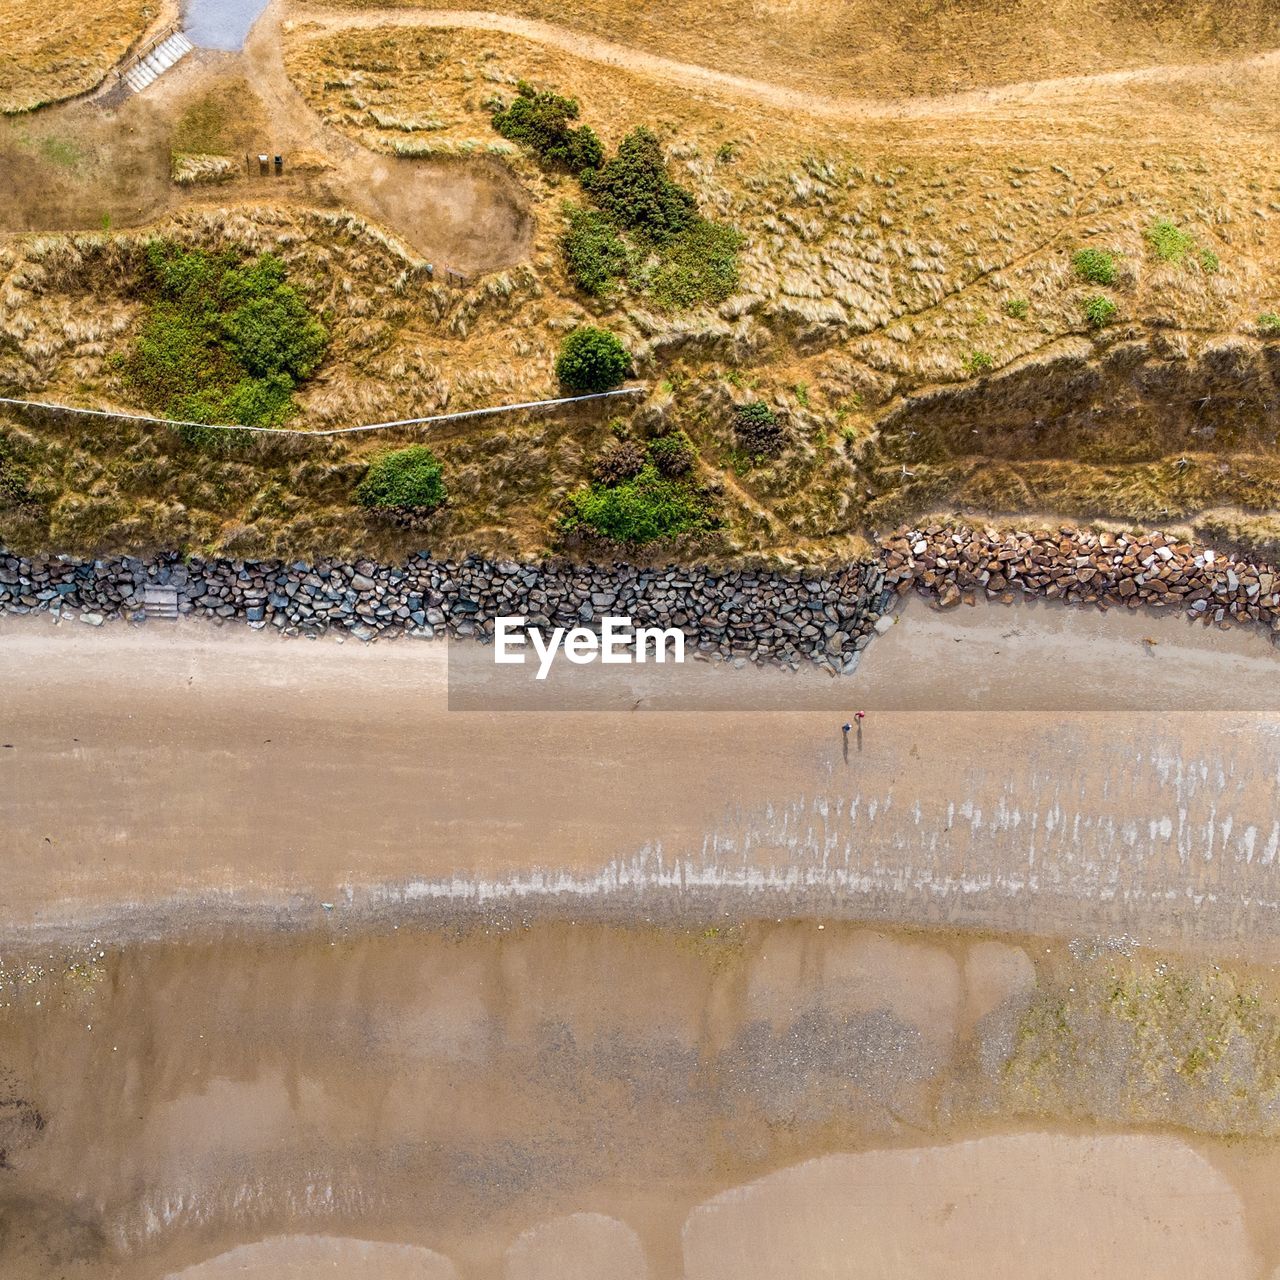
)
(591, 360)
(408, 479)
(636, 191)
(541, 122)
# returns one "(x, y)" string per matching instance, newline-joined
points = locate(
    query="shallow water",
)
(220, 24)
(569, 1102)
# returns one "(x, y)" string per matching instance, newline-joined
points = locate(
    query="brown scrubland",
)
(906, 299)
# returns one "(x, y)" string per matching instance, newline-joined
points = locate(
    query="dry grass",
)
(56, 51)
(879, 262)
(875, 270)
(878, 48)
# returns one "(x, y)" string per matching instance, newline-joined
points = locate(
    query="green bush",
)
(758, 431)
(1269, 324)
(698, 265)
(540, 121)
(594, 254)
(1209, 261)
(224, 341)
(409, 479)
(673, 454)
(635, 190)
(1168, 242)
(591, 359)
(1099, 310)
(977, 362)
(641, 509)
(619, 461)
(1017, 308)
(1095, 266)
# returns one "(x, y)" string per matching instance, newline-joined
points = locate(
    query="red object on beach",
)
(859, 715)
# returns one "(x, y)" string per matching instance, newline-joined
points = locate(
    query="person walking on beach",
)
(844, 729)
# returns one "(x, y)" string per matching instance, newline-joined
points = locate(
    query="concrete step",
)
(155, 62)
(160, 601)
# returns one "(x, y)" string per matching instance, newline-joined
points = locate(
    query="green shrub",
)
(698, 265)
(1209, 261)
(635, 190)
(641, 509)
(977, 362)
(540, 121)
(224, 341)
(1269, 324)
(1168, 242)
(409, 479)
(594, 254)
(758, 431)
(591, 359)
(1017, 308)
(673, 454)
(620, 461)
(1096, 266)
(1099, 310)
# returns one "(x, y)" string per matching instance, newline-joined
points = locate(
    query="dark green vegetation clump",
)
(674, 254)
(673, 454)
(591, 359)
(409, 479)
(15, 476)
(1269, 324)
(639, 506)
(542, 122)
(758, 431)
(594, 253)
(645, 231)
(620, 461)
(1095, 266)
(636, 192)
(225, 340)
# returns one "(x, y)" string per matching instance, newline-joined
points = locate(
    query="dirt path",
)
(690, 75)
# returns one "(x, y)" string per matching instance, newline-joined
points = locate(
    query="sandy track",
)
(780, 97)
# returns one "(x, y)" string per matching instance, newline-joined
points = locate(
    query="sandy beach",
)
(305, 973)
(1027, 768)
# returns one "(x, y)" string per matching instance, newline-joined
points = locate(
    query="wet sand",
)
(395, 992)
(565, 1102)
(1029, 769)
